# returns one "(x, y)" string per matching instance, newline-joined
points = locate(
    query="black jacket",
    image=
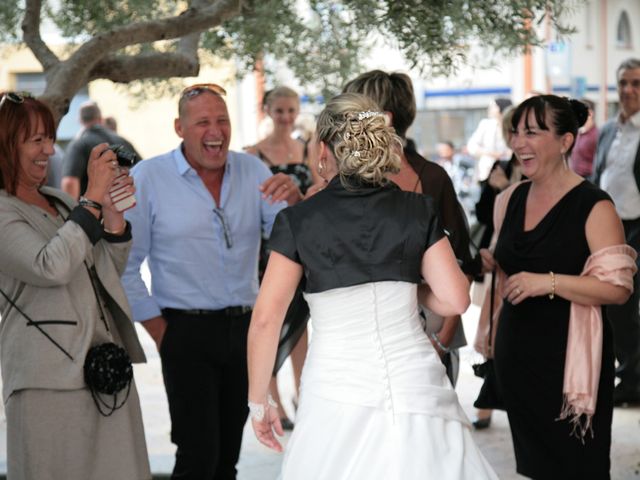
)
(355, 235)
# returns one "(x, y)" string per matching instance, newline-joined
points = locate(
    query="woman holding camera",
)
(60, 266)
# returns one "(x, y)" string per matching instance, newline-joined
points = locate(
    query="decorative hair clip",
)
(356, 153)
(367, 114)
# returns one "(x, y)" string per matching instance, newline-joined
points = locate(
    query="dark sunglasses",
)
(198, 88)
(226, 229)
(14, 97)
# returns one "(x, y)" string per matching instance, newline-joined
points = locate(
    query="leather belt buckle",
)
(237, 311)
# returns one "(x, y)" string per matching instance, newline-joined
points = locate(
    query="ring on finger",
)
(518, 292)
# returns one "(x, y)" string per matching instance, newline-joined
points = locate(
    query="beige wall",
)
(13, 61)
(147, 124)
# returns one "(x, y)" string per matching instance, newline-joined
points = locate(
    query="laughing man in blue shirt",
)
(198, 222)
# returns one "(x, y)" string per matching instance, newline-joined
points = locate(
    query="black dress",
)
(295, 323)
(300, 173)
(531, 343)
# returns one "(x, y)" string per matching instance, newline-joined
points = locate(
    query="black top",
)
(360, 234)
(484, 207)
(437, 183)
(77, 155)
(300, 173)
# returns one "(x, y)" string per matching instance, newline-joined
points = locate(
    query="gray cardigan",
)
(605, 139)
(42, 271)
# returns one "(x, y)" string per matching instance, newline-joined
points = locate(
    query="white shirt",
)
(617, 178)
(487, 138)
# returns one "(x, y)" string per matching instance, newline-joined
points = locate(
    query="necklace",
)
(282, 145)
(289, 153)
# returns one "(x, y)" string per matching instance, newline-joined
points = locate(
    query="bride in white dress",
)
(375, 401)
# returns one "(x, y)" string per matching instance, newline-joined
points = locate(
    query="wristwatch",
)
(85, 202)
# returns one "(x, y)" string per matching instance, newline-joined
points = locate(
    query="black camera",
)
(126, 158)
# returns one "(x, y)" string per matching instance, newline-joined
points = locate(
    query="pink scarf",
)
(614, 265)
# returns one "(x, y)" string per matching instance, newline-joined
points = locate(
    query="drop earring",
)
(563, 154)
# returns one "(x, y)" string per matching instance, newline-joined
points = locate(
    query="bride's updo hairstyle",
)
(355, 130)
(565, 115)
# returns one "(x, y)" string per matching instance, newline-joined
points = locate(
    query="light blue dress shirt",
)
(195, 260)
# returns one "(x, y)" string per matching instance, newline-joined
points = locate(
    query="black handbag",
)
(489, 396)
(107, 366)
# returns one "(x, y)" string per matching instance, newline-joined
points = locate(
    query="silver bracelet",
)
(257, 410)
(435, 338)
(86, 202)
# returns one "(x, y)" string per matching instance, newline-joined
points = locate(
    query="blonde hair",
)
(355, 130)
(279, 92)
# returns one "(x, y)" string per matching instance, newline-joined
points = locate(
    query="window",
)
(455, 125)
(623, 32)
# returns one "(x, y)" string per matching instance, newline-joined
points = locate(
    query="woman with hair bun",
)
(560, 254)
(375, 401)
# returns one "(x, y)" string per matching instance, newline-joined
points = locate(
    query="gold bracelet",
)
(553, 286)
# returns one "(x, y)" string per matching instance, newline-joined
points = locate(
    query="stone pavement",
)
(259, 463)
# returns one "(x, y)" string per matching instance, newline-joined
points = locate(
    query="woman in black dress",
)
(552, 225)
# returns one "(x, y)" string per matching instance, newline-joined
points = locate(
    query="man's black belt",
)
(234, 311)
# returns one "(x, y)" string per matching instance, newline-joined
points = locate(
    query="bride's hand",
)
(264, 429)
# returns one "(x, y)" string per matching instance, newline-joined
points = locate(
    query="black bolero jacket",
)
(360, 234)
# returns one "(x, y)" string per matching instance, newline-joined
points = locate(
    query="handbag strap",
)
(499, 211)
(93, 277)
(493, 292)
(30, 322)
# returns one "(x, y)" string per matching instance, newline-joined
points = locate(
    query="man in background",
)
(74, 166)
(111, 123)
(617, 171)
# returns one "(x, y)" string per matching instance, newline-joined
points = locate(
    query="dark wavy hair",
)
(565, 115)
(392, 91)
(18, 122)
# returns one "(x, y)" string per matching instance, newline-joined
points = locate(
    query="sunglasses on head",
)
(198, 88)
(14, 97)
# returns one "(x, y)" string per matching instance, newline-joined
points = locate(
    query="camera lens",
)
(126, 158)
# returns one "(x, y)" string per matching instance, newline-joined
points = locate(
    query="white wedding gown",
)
(375, 402)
